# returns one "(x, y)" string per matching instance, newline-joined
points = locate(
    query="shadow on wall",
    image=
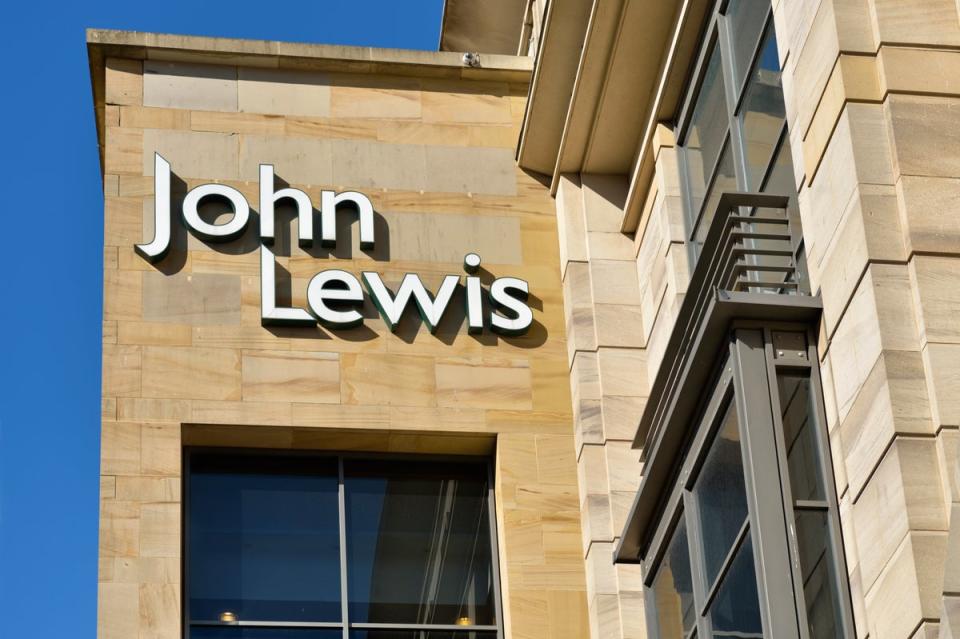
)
(451, 327)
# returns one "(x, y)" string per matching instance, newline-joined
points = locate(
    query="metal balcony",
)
(747, 271)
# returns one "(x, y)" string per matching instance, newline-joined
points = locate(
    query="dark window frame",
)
(344, 624)
(746, 380)
(717, 32)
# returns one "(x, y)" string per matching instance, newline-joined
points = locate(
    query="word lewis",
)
(334, 297)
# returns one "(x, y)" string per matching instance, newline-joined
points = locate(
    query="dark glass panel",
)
(726, 180)
(707, 130)
(673, 588)
(418, 542)
(800, 437)
(422, 634)
(746, 20)
(762, 113)
(721, 496)
(264, 538)
(819, 573)
(241, 632)
(735, 612)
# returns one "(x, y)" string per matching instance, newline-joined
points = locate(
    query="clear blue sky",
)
(50, 283)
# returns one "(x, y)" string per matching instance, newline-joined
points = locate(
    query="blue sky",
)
(50, 285)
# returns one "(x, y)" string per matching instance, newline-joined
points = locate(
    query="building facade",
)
(608, 319)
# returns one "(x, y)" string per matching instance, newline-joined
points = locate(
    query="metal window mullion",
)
(726, 564)
(186, 469)
(423, 626)
(728, 73)
(253, 623)
(786, 489)
(765, 499)
(663, 534)
(342, 508)
(494, 548)
(695, 551)
(741, 90)
(830, 489)
(686, 197)
(810, 504)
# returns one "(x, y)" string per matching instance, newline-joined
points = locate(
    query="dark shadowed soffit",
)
(482, 26)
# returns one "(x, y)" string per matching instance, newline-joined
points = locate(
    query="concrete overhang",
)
(598, 113)
(139, 45)
(487, 26)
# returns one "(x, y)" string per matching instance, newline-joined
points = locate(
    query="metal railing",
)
(747, 271)
(751, 246)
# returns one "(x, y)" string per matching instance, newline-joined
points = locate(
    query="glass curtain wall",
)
(732, 128)
(283, 545)
(748, 543)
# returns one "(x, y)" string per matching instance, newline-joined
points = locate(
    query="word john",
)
(334, 297)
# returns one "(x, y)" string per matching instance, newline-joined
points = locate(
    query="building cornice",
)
(272, 54)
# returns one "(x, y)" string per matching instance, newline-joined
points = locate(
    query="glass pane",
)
(708, 128)
(422, 634)
(726, 180)
(418, 543)
(673, 588)
(820, 593)
(762, 113)
(780, 181)
(800, 437)
(264, 538)
(240, 632)
(746, 20)
(721, 496)
(735, 612)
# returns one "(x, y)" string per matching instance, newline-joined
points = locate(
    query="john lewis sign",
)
(333, 295)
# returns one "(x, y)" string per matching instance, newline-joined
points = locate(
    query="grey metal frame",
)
(746, 381)
(345, 624)
(717, 32)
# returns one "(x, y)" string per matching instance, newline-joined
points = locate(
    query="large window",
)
(306, 546)
(748, 543)
(732, 127)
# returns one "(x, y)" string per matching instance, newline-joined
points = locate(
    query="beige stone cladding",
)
(872, 90)
(186, 360)
(621, 297)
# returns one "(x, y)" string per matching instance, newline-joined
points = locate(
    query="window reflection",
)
(746, 18)
(264, 538)
(721, 496)
(725, 180)
(736, 610)
(818, 571)
(815, 548)
(673, 588)
(800, 438)
(762, 114)
(264, 554)
(707, 131)
(418, 542)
